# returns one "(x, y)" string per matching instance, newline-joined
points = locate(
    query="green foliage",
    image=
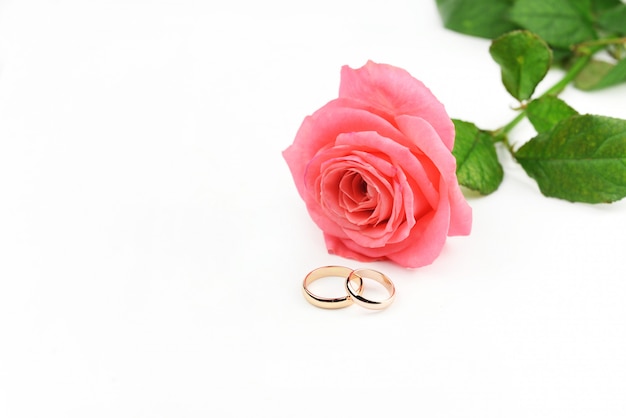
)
(580, 158)
(560, 22)
(583, 159)
(544, 113)
(478, 167)
(614, 19)
(599, 6)
(483, 18)
(524, 60)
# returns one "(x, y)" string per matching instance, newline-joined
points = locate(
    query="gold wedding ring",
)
(359, 275)
(354, 295)
(329, 303)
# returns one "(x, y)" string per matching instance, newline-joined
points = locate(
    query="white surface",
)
(152, 243)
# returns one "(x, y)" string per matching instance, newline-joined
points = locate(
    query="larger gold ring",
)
(373, 275)
(328, 303)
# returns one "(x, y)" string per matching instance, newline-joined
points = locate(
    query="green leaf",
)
(544, 113)
(614, 19)
(524, 60)
(484, 18)
(477, 166)
(599, 6)
(600, 74)
(583, 159)
(561, 23)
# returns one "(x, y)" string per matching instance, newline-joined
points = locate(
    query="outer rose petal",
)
(398, 93)
(460, 211)
(338, 247)
(429, 241)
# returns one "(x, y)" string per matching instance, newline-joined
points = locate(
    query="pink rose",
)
(376, 171)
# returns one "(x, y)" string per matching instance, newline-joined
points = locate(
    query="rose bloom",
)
(376, 171)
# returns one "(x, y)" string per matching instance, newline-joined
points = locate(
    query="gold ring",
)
(328, 303)
(373, 275)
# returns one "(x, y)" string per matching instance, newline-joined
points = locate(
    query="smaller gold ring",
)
(328, 303)
(373, 275)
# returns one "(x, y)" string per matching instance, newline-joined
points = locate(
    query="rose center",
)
(358, 198)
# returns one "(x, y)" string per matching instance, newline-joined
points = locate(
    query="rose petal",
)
(460, 212)
(427, 238)
(425, 138)
(336, 246)
(444, 161)
(398, 93)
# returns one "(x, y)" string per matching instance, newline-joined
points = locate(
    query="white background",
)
(153, 244)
